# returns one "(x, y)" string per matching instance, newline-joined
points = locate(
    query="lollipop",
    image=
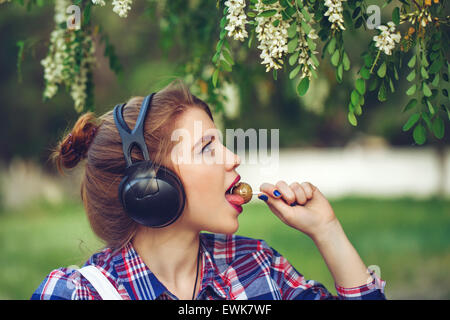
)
(244, 190)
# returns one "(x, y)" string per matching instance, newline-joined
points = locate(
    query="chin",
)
(228, 226)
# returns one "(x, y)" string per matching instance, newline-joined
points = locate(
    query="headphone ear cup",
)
(152, 198)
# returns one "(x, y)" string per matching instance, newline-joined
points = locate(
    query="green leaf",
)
(292, 30)
(346, 62)
(411, 76)
(269, 1)
(427, 120)
(358, 109)
(227, 57)
(306, 27)
(339, 73)
(347, 19)
(225, 66)
(411, 104)
(365, 73)
(305, 14)
(419, 134)
(354, 97)
(411, 121)
(303, 86)
(267, 13)
(382, 70)
(335, 58)
(275, 74)
(411, 90)
(423, 72)
(435, 80)
(424, 61)
(293, 58)
(438, 127)
(426, 90)
(391, 85)
(294, 72)
(436, 66)
(430, 107)
(352, 119)
(396, 16)
(412, 61)
(219, 45)
(331, 46)
(292, 45)
(215, 77)
(382, 93)
(360, 85)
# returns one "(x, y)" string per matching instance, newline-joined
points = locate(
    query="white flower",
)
(273, 40)
(121, 7)
(387, 38)
(236, 19)
(334, 13)
(99, 2)
(60, 63)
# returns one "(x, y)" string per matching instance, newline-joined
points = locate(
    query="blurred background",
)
(391, 195)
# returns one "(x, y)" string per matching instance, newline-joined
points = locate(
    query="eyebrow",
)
(203, 139)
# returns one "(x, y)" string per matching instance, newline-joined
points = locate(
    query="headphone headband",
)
(133, 138)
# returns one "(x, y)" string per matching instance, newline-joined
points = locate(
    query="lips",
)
(235, 200)
(234, 182)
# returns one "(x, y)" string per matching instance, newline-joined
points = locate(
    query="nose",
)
(232, 160)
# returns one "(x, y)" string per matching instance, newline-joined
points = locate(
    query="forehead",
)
(196, 121)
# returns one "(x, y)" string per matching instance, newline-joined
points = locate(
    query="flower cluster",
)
(3, 1)
(305, 52)
(121, 7)
(60, 65)
(272, 35)
(334, 14)
(386, 40)
(236, 19)
(101, 3)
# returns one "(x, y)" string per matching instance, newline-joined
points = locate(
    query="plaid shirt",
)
(233, 267)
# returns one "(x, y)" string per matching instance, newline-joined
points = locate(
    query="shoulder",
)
(60, 284)
(228, 248)
(69, 284)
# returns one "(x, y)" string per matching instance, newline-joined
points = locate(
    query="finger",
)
(277, 206)
(286, 192)
(270, 189)
(307, 187)
(299, 193)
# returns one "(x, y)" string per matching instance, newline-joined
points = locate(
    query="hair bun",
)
(74, 147)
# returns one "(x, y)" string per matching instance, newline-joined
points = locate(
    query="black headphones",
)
(151, 198)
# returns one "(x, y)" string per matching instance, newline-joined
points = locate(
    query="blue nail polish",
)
(276, 193)
(263, 197)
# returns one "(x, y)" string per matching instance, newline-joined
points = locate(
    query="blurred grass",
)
(408, 239)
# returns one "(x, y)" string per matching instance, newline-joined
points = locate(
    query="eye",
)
(207, 147)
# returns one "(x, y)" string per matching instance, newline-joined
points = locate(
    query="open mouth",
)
(235, 200)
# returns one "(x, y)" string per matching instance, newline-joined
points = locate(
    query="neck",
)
(171, 254)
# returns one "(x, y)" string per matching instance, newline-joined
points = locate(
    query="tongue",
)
(234, 199)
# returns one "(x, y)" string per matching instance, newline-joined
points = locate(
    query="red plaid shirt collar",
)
(140, 282)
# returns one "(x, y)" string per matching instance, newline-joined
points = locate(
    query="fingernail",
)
(263, 197)
(276, 193)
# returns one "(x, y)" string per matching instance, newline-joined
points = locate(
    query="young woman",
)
(177, 260)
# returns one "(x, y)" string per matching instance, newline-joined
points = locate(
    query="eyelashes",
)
(208, 144)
